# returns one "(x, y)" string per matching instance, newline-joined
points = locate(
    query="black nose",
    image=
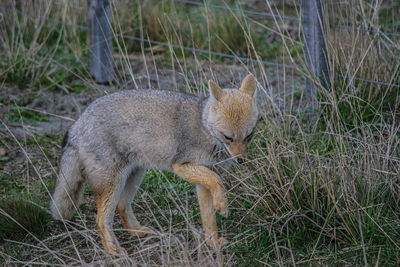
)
(240, 160)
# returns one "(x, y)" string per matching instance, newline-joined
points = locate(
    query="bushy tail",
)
(68, 192)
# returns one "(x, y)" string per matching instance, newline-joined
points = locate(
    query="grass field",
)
(322, 186)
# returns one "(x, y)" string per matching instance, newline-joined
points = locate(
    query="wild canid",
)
(121, 135)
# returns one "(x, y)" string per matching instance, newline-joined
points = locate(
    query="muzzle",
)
(238, 150)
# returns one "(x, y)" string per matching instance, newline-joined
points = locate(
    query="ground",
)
(34, 123)
(322, 184)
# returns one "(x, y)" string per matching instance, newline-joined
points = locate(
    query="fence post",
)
(101, 65)
(315, 47)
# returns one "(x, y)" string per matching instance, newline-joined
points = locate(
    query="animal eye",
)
(230, 139)
(249, 136)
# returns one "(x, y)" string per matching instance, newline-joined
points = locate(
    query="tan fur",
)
(121, 135)
(237, 107)
(248, 85)
(108, 238)
(216, 91)
(211, 195)
(207, 212)
(238, 149)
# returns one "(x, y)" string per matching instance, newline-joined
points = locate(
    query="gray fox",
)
(123, 134)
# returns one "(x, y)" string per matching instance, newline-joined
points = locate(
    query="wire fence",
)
(191, 49)
(258, 13)
(282, 17)
(224, 55)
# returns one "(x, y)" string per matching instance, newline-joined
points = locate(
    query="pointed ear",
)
(215, 90)
(248, 85)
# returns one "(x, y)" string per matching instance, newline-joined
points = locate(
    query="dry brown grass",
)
(321, 193)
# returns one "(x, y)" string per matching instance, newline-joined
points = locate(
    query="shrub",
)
(20, 217)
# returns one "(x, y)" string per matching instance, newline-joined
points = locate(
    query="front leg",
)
(203, 176)
(208, 219)
(211, 195)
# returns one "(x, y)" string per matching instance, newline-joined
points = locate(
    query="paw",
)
(217, 242)
(220, 202)
(114, 249)
(140, 231)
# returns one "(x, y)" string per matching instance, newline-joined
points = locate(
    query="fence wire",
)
(258, 13)
(134, 38)
(277, 16)
(203, 51)
(245, 11)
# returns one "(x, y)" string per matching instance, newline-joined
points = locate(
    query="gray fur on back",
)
(148, 128)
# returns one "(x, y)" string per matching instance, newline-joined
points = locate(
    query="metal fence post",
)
(101, 65)
(315, 47)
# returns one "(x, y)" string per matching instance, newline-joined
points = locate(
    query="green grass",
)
(35, 54)
(10, 185)
(45, 140)
(222, 31)
(21, 219)
(19, 113)
(313, 209)
(387, 17)
(323, 193)
(165, 188)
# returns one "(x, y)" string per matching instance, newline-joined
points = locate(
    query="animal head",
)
(232, 116)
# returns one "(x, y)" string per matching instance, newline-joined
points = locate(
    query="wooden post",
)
(315, 47)
(101, 65)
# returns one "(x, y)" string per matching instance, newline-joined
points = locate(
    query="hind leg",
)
(124, 207)
(107, 186)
